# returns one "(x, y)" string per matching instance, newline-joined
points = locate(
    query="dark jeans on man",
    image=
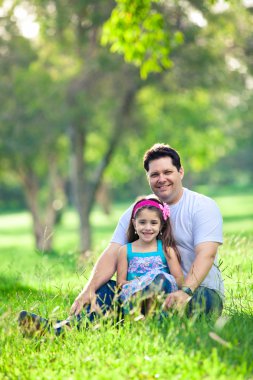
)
(205, 301)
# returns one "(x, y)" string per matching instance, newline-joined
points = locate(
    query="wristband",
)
(187, 290)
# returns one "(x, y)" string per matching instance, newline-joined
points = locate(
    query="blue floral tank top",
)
(140, 263)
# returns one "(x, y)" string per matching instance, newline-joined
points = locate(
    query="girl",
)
(150, 261)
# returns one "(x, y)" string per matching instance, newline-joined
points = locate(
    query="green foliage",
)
(202, 105)
(138, 31)
(34, 104)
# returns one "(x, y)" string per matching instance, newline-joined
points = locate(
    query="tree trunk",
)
(121, 123)
(85, 191)
(79, 185)
(43, 221)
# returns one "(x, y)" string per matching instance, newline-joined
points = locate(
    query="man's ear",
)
(181, 172)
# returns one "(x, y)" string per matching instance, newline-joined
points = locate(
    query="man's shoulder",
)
(127, 213)
(196, 196)
(197, 201)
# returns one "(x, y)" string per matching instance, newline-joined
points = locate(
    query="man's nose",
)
(161, 178)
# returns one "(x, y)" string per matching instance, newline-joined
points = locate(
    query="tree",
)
(99, 95)
(29, 146)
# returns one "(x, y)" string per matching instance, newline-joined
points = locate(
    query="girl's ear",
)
(134, 222)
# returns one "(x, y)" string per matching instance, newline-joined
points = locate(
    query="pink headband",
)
(164, 208)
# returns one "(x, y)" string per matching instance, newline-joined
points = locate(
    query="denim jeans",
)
(105, 296)
(205, 301)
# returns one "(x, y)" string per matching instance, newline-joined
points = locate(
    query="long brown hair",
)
(166, 233)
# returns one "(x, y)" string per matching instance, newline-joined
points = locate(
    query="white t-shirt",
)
(195, 219)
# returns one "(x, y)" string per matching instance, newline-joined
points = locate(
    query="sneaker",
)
(32, 324)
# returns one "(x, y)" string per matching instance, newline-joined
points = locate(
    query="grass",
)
(174, 348)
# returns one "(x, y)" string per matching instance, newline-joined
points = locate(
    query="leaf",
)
(218, 339)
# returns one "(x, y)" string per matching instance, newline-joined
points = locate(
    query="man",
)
(197, 226)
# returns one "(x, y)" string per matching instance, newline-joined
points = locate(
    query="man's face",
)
(165, 180)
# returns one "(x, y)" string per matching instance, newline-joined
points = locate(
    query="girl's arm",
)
(174, 266)
(122, 266)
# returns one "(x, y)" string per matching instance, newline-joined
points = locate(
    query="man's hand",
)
(103, 270)
(83, 299)
(177, 300)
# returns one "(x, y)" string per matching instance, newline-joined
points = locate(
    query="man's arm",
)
(102, 272)
(205, 255)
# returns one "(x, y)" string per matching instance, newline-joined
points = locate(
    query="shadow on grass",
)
(230, 339)
(65, 260)
(16, 296)
(214, 191)
(45, 263)
(237, 218)
(18, 231)
(11, 289)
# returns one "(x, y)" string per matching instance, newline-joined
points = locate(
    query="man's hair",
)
(158, 151)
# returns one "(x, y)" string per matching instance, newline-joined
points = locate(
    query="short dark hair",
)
(158, 151)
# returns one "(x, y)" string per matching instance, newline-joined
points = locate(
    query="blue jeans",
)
(105, 296)
(205, 301)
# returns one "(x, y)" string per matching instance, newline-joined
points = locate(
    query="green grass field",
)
(175, 348)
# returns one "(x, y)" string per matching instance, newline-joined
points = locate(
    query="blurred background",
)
(87, 86)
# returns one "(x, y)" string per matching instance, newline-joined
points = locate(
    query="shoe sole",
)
(32, 324)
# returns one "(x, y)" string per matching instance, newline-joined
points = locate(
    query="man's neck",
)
(172, 201)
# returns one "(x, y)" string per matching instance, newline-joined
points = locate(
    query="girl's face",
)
(147, 224)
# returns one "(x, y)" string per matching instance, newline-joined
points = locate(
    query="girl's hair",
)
(166, 235)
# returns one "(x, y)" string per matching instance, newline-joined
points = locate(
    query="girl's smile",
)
(147, 225)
